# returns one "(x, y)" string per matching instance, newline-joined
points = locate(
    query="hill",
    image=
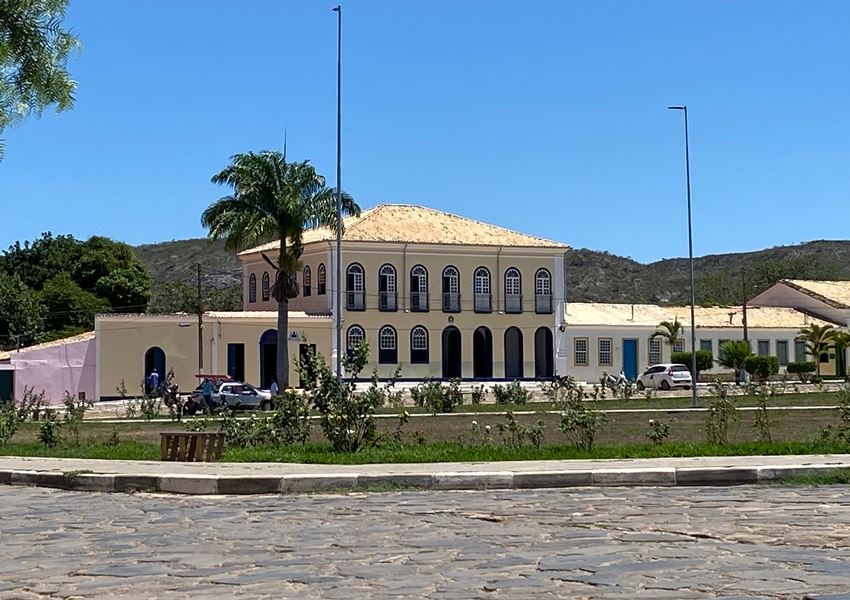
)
(592, 276)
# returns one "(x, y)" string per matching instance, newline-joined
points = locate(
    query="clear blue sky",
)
(545, 117)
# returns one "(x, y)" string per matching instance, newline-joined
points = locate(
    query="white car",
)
(246, 394)
(665, 377)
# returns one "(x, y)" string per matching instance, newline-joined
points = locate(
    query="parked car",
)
(247, 396)
(665, 376)
(198, 393)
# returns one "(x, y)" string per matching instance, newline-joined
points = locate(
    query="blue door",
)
(630, 359)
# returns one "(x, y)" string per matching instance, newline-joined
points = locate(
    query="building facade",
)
(438, 294)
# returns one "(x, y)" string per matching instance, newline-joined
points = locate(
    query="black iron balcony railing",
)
(483, 303)
(356, 300)
(388, 301)
(513, 303)
(419, 302)
(451, 302)
(543, 304)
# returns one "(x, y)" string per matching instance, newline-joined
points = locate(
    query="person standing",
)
(153, 382)
(273, 388)
(208, 392)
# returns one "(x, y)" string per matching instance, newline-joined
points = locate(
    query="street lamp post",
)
(338, 291)
(690, 258)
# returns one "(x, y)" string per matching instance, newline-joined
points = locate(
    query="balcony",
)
(419, 302)
(451, 303)
(483, 303)
(513, 303)
(543, 305)
(356, 300)
(388, 301)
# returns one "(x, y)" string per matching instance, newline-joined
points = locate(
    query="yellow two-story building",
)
(441, 295)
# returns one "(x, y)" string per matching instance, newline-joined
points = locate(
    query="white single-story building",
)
(609, 337)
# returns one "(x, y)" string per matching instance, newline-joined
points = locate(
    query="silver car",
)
(245, 395)
(665, 376)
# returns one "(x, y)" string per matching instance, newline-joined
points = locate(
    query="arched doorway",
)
(154, 359)
(513, 353)
(482, 354)
(452, 354)
(544, 361)
(268, 357)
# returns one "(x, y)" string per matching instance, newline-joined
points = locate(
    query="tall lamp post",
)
(338, 312)
(690, 259)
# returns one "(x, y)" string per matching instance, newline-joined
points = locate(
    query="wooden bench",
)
(191, 446)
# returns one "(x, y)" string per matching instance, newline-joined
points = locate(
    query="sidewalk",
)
(276, 478)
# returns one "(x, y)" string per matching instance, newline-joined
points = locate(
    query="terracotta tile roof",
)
(716, 317)
(832, 293)
(418, 224)
(89, 335)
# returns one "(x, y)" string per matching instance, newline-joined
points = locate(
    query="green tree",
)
(841, 341)
(22, 312)
(818, 340)
(70, 309)
(273, 199)
(34, 52)
(733, 354)
(670, 333)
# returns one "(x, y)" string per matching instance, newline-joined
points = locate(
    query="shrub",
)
(9, 421)
(290, 421)
(513, 393)
(31, 404)
(721, 413)
(761, 367)
(579, 423)
(803, 369)
(48, 431)
(705, 360)
(347, 419)
(563, 392)
(74, 413)
(477, 394)
(658, 431)
(150, 407)
(515, 435)
(437, 397)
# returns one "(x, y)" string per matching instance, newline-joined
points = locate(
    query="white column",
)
(560, 316)
(214, 347)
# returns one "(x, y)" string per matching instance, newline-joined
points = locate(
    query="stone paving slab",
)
(288, 478)
(599, 543)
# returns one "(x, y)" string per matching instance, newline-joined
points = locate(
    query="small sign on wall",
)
(294, 336)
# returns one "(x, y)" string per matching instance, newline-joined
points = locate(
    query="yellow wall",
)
(314, 255)
(372, 256)
(123, 340)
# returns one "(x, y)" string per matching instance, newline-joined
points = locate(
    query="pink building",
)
(53, 367)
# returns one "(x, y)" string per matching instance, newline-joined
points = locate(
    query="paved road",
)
(743, 542)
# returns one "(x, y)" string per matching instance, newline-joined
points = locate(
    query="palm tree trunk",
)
(282, 367)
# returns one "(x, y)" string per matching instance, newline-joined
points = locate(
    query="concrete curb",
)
(197, 484)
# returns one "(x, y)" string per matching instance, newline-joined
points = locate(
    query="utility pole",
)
(200, 326)
(744, 295)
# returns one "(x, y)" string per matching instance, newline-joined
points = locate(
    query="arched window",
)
(387, 288)
(266, 288)
(543, 291)
(419, 345)
(355, 287)
(307, 275)
(355, 336)
(513, 291)
(387, 345)
(322, 283)
(252, 288)
(451, 290)
(481, 290)
(419, 289)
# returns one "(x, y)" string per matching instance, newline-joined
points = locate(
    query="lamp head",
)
(336, 8)
(677, 107)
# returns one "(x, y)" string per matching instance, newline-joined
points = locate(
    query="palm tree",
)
(841, 341)
(733, 354)
(817, 339)
(273, 199)
(670, 332)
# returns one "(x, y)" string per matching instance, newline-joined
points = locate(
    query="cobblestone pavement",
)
(742, 542)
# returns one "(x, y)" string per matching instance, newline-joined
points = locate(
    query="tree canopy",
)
(273, 199)
(34, 52)
(54, 286)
